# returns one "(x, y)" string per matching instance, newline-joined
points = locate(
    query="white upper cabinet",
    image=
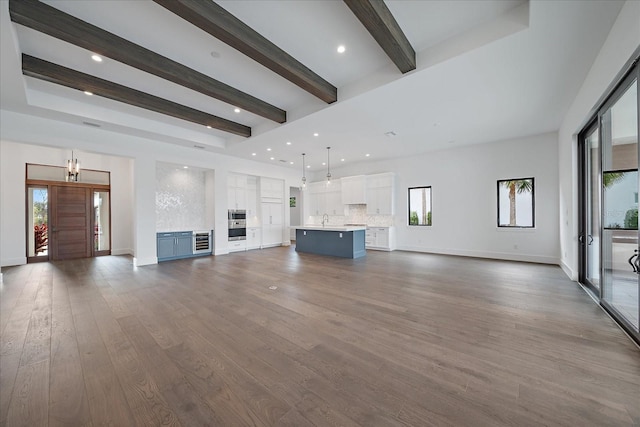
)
(354, 190)
(324, 199)
(271, 190)
(252, 201)
(237, 191)
(380, 194)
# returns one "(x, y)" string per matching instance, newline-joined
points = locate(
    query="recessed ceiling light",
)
(236, 110)
(341, 48)
(268, 149)
(316, 134)
(253, 154)
(290, 163)
(185, 167)
(367, 155)
(86, 92)
(342, 160)
(324, 163)
(308, 166)
(96, 58)
(215, 54)
(288, 142)
(272, 158)
(208, 127)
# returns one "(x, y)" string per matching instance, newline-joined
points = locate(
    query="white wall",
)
(14, 158)
(622, 41)
(140, 180)
(464, 189)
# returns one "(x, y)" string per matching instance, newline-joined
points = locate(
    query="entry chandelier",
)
(73, 169)
(328, 167)
(304, 177)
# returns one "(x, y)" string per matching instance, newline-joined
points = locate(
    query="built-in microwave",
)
(237, 214)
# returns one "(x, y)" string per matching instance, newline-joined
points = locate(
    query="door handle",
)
(590, 239)
(581, 239)
(634, 263)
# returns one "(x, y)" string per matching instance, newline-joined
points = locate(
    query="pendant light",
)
(328, 167)
(73, 169)
(304, 177)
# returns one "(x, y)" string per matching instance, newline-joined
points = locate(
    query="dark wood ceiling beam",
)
(384, 28)
(49, 20)
(54, 73)
(215, 20)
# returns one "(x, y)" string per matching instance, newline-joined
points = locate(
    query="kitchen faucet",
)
(323, 221)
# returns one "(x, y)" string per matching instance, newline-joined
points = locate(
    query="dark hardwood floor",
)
(393, 339)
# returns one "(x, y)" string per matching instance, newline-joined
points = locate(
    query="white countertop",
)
(331, 227)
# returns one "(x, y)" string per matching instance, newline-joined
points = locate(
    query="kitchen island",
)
(340, 241)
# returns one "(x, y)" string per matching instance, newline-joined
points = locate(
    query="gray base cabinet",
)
(175, 245)
(345, 244)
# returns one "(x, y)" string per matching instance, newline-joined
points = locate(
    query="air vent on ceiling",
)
(95, 125)
(390, 134)
(283, 161)
(200, 147)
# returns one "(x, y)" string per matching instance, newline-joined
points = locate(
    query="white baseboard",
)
(540, 259)
(568, 271)
(122, 252)
(8, 262)
(221, 252)
(139, 262)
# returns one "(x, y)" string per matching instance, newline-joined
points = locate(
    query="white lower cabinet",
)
(253, 238)
(237, 245)
(272, 224)
(380, 238)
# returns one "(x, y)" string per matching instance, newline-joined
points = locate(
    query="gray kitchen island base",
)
(345, 244)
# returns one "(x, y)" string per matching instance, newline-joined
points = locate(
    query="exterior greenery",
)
(631, 219)
(420, 206)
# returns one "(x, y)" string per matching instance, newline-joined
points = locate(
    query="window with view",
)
(420, 206)
(516, 203)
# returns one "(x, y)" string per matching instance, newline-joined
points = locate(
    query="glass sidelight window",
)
(37, 222)
(101, 221)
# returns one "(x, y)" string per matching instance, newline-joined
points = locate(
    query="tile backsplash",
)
(180, 198)
(356, 214)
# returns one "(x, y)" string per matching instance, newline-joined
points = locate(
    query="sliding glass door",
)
(619, 130)
(590, 202)
(609, 185)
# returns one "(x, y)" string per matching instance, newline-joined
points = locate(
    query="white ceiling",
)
(487, 70)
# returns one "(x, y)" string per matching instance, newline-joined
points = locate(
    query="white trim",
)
(122, 252)
(139, 262)
(568, 271)
(541, 259)
(14, 261)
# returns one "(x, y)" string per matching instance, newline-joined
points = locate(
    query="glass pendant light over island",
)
(328, 167)
(304, 177)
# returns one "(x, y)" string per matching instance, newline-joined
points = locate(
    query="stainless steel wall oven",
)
(237, 224)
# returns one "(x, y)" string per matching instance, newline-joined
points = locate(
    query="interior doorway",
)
(67, 220)
(295, 210)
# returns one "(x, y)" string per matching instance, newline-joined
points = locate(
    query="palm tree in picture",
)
(516, 186)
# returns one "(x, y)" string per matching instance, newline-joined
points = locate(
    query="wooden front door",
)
(70, 235)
